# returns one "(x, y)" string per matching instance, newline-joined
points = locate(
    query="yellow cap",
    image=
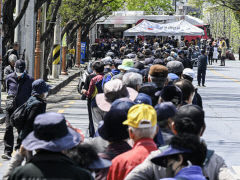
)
(141, 116)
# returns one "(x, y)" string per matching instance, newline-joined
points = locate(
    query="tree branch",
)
(21, 14)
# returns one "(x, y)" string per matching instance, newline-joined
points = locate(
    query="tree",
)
(151, 6)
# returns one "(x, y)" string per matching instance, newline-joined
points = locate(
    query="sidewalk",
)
(56, 85)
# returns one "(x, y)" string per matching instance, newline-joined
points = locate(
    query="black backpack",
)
(19, 116)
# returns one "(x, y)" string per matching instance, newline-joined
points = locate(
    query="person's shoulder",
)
(81, 173)
(12, 75)
(26, 170)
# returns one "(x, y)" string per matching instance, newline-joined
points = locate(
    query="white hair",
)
(144, 132)
(12, 58)
(132, 79)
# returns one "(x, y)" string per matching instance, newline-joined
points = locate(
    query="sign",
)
(83, 51)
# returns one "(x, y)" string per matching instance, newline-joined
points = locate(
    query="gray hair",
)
(12, 58)
(144, 132)
(132, 79)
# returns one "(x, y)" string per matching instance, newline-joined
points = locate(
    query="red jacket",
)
(124, 163)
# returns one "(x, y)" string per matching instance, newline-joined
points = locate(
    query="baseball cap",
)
(20, 66)
(165, 110)
(189, 72)
(143, 99)
(141, 116)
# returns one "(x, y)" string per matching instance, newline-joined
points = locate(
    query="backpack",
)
(18, 117)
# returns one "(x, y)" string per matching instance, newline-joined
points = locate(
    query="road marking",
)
(226, 77)
(61, 111)
(72, 102)
(66, 106)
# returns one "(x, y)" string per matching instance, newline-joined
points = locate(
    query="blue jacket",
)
(109, 76)
(21, 88)
(188, 173)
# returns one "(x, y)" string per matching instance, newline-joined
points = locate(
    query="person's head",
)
(98, 66)
(126, 65)
(85, 156)
(188, 74)
(150, 89)
(20, 67)
(113, 90)
(40, 88)
(181, 53)
(12, 59)
(50, 133)
(16, 46)
(189, 119)
(203, 51)
(183, 151)
(143, 98)
(188, 90)
(113, 130)
(158, 74)
(165, 112)
(132, 80)
(175, 67)
(172, 94)
(142, 122)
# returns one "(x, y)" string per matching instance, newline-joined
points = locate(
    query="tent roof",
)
(179, 28)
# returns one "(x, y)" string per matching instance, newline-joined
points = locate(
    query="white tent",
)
(179, 28)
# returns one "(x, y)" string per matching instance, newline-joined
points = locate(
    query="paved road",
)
(221, 100)
(221, 104)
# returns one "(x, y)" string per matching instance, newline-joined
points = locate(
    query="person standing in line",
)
(19, 88)
(215, 52)
(224, 53)
(202, 67)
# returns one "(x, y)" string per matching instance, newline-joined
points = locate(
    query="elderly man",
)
(9, 69)
(141, 120)
(133, 80)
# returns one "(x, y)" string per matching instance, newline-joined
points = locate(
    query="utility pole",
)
(0, 52)
(56, 50)
(64, 53)
(30, 35)
(78, 58)
(38, 48)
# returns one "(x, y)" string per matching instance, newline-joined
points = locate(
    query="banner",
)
(83, 51)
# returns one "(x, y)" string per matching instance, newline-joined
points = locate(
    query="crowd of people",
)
(146, 119)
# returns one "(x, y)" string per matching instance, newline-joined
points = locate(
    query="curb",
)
(65, 82)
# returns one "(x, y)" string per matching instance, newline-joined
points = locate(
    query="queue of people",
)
(146, 120)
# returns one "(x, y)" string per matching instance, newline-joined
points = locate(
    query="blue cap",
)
(165, 110)
(20, 66)
(143, 99)
(173, 77)
(161, 158)
(100, 163)
(39, 87)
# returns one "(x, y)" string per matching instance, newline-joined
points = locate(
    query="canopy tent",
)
(179, 28)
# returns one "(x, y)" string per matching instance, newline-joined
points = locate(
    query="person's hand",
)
(23, 151)
(83, 91)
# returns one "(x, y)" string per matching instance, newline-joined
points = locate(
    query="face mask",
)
(169, 171)
(45, 96)
(19, 74)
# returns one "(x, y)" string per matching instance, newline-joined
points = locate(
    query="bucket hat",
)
(51, 133)
(161, 158)
(126, 65)
(113, 90)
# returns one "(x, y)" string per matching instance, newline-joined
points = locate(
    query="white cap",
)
(189, 72)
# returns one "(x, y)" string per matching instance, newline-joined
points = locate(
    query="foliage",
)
(150, 5)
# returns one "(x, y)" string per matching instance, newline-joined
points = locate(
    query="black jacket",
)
(202, 62)
(48, 166)
(35, 106)
(21, 88)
